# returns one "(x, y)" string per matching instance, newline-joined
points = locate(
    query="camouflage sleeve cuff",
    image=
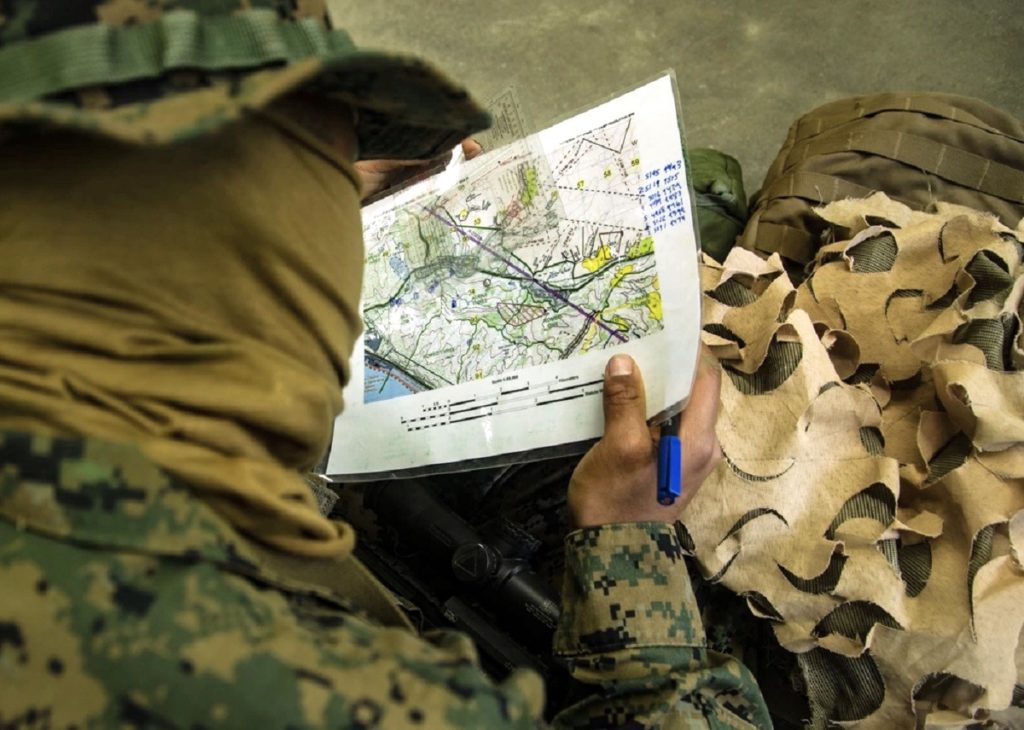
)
(626, 585)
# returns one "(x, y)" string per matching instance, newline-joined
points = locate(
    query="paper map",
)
(496, 291)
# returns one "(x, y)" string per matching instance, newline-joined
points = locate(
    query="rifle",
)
(457, 579)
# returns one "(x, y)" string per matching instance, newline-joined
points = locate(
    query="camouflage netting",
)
(871, 499)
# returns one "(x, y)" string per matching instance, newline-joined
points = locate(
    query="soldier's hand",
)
(617, 480)
(380, 175)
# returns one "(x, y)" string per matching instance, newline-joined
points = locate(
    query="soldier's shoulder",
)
(105, 638)
(47, 458)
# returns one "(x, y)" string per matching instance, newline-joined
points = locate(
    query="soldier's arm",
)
(630, 623)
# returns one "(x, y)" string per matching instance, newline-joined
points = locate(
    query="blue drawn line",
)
(553, 292)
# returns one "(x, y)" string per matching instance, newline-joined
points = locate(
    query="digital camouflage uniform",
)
(126, 601)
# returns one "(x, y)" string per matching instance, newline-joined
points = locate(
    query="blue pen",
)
(670, 463)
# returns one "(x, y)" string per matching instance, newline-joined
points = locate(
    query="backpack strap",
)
(847, 111)
(950, 163)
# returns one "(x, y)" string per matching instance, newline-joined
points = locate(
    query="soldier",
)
(180, 237)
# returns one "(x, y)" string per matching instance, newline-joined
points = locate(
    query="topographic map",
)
(530, 258)
(496, 289)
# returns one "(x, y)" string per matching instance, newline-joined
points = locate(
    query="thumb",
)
(625, 404)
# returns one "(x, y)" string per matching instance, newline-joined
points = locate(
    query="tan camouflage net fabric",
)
(871, 499)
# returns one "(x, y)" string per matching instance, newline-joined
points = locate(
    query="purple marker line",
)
(553, 292)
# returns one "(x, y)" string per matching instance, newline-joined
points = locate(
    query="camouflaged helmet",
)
(158, 71)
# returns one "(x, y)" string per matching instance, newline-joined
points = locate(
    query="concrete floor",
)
(746, 68)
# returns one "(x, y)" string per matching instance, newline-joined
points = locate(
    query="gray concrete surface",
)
(746, 68)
